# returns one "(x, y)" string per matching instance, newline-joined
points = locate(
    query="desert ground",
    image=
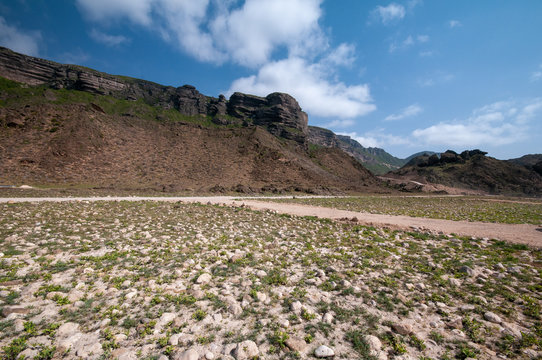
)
(224, 277)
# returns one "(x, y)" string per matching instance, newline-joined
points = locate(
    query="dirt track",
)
(520, 234)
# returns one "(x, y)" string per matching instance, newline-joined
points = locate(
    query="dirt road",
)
(520, 234)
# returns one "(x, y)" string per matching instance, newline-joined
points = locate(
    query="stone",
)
(190, 354)
(327, 318)
(492, 317)
(323, 351)
(8, 310)
(246, 350)
(455, 323)
(467, 270)
(374, 343)
(261, 273)
(296, 307)
(204, 278)
(402, 328)
(209, 355)
(67, 329)
(296, 343)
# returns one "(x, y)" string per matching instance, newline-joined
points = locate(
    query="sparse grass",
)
(127, 264)
(449, 208)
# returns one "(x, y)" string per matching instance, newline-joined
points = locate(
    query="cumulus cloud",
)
(454, 23)
(18, 40)
(409, 111)
(220, 31)
(252, 33)
(500, 123)
(389, 14)
(310, 85)
(106, 39)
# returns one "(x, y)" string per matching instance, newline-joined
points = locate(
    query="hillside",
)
(377, 160)
(68, 125)
(472, 170)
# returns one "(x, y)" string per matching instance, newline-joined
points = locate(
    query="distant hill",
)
(69, 125)
(377, 160)
(472, 170)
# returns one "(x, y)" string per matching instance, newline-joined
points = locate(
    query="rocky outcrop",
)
(322, 137)
(279, 113)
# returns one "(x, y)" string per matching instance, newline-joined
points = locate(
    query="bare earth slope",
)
(68, 125)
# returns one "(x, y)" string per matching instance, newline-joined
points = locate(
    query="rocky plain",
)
(149, 280)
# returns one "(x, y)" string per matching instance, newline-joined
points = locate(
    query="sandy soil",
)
(520, 234)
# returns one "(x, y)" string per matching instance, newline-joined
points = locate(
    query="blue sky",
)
(402, 75)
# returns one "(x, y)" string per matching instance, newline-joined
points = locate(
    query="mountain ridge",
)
(65, 124)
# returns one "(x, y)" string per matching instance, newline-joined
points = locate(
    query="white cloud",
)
(377, 138)
(423, 38)
(343, 123)
(537, 75)
(409, 111)
(343, 55)
(137, 11)
(427, 53)
(106, 39)
(438, 77)
(408, 42)
(310, 85)
(390, 13)
(219, 31)
(19, 41)
(454, 23)
(251, 33)
(500, 123)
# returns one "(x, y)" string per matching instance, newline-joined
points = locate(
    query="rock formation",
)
(279, 113)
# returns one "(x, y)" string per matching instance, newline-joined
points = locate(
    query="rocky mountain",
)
(377, 160)
(66, 124)
(472, 170)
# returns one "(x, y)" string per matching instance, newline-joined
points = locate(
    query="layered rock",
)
(279, 113)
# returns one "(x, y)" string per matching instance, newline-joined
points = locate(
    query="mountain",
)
(70, 125)
(377, 160)
(471, 170)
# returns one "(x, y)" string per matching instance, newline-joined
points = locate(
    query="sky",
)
(405, 76)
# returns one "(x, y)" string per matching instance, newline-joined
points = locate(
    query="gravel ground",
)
(169, 280)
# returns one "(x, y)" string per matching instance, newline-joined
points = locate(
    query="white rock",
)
(204, 278)
(492, 317)
(246, 350)
(374, 343)
(261, 273)
(327, 318)
(189, 354)
(323, 351)
(209, 355)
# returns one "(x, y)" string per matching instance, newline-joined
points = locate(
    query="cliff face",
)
(279, 113)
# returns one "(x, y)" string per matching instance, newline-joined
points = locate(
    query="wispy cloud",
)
(408, 42)
(500, 123)
(454, 23)
(409, 111)
(537, 75)
(377, 138)
(389, 14)
(438, 77)
(106, 39)
(26, 42)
